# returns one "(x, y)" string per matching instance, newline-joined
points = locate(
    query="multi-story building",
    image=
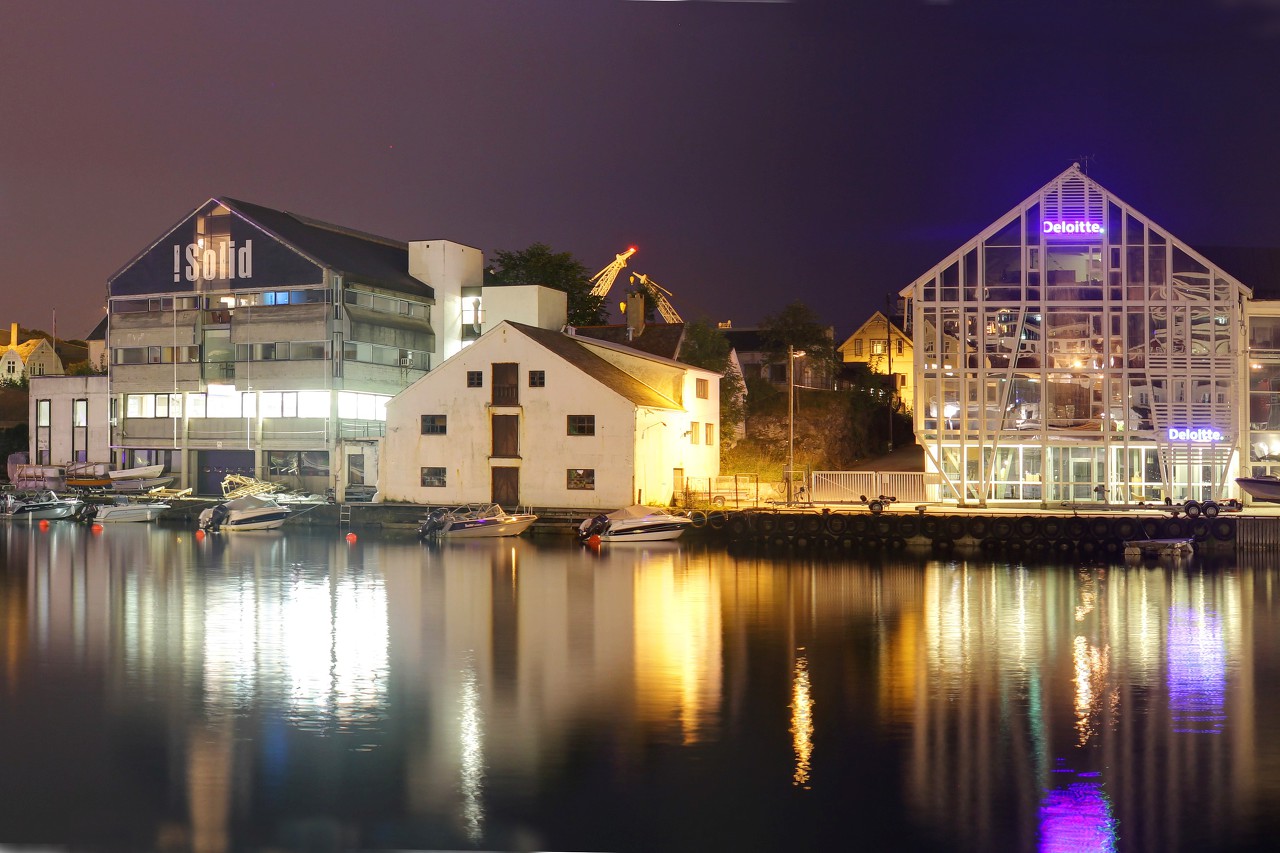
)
(1075, 351)
(249, 340)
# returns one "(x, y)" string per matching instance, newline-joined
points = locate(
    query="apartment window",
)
(79, 413)
(899, 346)
(877, 347)
(695, 432)
(433, 478)
(582, 425)
(435, 424)
(711, 435)
(702, 388)
(581, 478)
(475, 378)
(298, 463)
(857, 347)
(42, 413)
(537, 379)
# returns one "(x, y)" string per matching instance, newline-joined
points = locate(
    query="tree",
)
(706, 346)
(538, 264)
(798, 326)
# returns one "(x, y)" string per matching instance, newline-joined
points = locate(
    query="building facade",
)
(884, 348)
(252, 341)
(68, 420)
(536, 417)
(23, 359)
(1076, 351)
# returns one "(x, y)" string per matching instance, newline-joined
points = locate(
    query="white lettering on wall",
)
(1077, 227)
(227, 262)
(1203, 434)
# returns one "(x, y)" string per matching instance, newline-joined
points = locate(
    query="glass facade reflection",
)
(1076, 351)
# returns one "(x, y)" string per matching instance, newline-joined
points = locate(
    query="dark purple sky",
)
(757, 153)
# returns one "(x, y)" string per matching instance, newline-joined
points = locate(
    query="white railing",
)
(852, 486)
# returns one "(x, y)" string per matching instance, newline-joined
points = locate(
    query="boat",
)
(142, 472)
(140, 484)
(1263, 488)
(40, 506)
(634, 524)
(475, 521)
(127, 511)
(251, 512)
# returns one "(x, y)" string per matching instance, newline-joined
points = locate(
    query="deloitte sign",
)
(1078, 228)
(1202, 434)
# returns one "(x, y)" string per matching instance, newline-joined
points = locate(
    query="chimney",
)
(13, 336)
(635, 315)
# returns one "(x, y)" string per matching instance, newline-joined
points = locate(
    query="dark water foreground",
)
(278, 691)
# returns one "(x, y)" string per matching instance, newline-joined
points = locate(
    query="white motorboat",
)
(40, 506)
(251, 512)
(475, 521)
(140, 484)
(142, 472)
(634, 524)
(128, 511)
(1261, 488)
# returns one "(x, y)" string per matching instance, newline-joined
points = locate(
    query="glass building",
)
(1075, 351)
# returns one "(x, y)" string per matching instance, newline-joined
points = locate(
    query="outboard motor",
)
(433, 525)
(211, 519)
(592, 527)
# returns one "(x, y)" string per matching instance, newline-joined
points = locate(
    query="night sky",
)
(756, 152)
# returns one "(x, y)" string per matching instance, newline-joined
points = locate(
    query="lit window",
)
(695, 430)
(581, 425)
(711, 435)
(701, 388)
(581, 478)
(433, 478)
(857, 347)
(435, 424)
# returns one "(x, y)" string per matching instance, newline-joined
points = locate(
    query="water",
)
(293, 691)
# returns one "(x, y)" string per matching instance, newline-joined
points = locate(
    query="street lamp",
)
(888, 369)
(792, 355)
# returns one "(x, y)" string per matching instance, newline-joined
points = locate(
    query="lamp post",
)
(792, 354)
(888, 369)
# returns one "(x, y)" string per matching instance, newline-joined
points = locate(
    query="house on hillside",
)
(534, 417)
(33, 357)
(752, 353)
(881, 344)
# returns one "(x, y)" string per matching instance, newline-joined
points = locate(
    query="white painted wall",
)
(531, 304)
(60, 391)
(447, 267)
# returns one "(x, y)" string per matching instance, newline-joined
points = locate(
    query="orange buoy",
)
(351, 537)
(44, 524)
(594, 541)
(96, 528)
(199, 535)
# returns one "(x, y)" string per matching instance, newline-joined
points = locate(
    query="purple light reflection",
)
(1197, 661)
(1077, 819)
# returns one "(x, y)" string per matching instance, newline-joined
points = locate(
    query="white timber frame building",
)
(1075, 351)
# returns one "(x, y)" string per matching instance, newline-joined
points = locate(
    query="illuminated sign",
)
(1176, 434)
(226, 261)
(1071, 228)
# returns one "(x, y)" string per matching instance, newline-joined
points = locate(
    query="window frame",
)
(437, 425)
(438, 481)
(585, 425)
(580, 479)
(475, 378)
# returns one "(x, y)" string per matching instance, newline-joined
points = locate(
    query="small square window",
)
(435, 424)
(433, 478)
(695, 432)
(581, 478)
(701, 388)
(537, 379)
(582, 425)
(475, 378)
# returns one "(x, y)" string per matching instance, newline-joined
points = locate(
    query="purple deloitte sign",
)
(1194, 434)
(1074, 228)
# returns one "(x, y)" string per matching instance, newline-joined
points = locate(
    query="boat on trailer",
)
(1261, 488)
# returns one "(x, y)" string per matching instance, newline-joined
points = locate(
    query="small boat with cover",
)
(251, 512)
(634, 524)
(40, 506)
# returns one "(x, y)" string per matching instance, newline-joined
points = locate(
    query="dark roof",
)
(1256, 267)
(661, 339)
(366, 258)
(596, 367)
(99, 332)
(746, 340)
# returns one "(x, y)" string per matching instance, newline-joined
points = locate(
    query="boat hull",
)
(45, 513)
(128, 514)
(657, 532)
(484, 528)
(1260, 489)
(265, 521)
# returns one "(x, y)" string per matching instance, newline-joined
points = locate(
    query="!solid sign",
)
(1176, 434)
(207, 264)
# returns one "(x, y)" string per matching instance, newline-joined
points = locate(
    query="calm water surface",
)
(293, 691)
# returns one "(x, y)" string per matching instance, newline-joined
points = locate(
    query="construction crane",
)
(602, 281)
(659, 295)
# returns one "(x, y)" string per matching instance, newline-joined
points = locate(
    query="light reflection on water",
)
(280, 689)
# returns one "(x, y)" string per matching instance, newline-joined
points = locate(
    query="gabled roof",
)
(99, 332)
(661, 339)
(355, 254)
(875, 323)
(613, 378)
